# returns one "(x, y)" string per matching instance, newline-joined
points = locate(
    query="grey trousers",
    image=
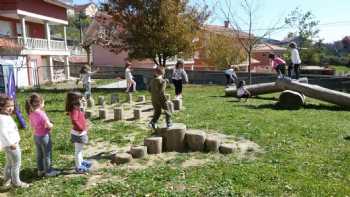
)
(43, 152)
(13, 164)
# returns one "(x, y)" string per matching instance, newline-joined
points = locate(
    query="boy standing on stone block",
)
(159, 101)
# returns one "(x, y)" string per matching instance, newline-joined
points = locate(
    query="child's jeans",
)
(78, 154)
(13, 164)
(43, 152)
(87, 92)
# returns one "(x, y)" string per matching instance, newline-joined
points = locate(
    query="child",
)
(230, 75)
(179, 73)
(278, 64)
(159, 101)
(79, 132)
(242, 92)
(9, 141)
(42, 134)
(130, 83)
(295, 60)
(85, 77)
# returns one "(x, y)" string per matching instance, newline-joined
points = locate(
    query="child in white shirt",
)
(242, 92)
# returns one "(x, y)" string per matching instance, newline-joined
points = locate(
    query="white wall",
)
(19, 64)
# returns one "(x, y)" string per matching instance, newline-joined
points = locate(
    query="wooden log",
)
(261, 88)
(88, 114)
(90, 102)
(102, 113)
(138, 151)
(154, 145)
(177, 104)
(101, 100)
(114, 98)
(170, 106)
(121, 158)
(137, 114)
(195, 140)
(316, 92)
(118, 113)
(174, 137)
(227, 148)
(290, 98)
(141, 99)
(212, 143)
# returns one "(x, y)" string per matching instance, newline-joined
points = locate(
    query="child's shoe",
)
(86, 163)
(152, 125)
(169, 124)
(41, 173)
(6, 183)
(82, 170)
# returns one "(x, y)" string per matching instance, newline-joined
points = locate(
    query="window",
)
(19, 29)
(5, 28)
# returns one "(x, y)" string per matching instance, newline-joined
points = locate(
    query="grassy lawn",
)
(341, 68)
(304, 153)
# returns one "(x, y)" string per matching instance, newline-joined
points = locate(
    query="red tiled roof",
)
(265, 47)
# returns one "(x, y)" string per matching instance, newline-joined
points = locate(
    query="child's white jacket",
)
(8, 131)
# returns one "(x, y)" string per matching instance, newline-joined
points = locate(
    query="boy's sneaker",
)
(22, 185)
(169, 124)
(6, 183)
(152, 125)
(82, 170)
(86, 163)
(52, 173)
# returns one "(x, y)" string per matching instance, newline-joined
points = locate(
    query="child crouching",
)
(242, 92)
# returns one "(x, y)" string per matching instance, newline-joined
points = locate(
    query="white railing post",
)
(48, 36)
(24, 31)
(67, 67)
(51, 69)
(65, 37)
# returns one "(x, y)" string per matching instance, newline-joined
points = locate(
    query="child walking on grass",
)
(242, 92)
(9, 141)
(159, 101)
(79, 132)
(42, 134)
(130, 82)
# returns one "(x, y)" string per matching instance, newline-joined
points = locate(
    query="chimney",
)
(226, 23)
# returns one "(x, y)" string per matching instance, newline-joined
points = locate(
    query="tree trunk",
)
(317, 92)
(249, 66)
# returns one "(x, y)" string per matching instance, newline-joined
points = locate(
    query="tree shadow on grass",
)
(265, 98)
(307, 106)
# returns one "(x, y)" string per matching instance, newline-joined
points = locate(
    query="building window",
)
(5, 28)
(19, 29)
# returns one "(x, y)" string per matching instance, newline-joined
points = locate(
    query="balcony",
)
(37, 46)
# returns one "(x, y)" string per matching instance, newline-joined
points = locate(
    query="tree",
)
(222, 51)
(77, 25)
(305, 25)
(244, 16)
(155, 29)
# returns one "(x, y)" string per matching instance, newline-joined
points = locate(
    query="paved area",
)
(118, 84)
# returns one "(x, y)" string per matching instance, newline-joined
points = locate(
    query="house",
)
(88, 9)
(25, 40)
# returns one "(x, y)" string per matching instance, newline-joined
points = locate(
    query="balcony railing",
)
(41, 44)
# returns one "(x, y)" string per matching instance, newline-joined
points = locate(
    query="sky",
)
(333, 15)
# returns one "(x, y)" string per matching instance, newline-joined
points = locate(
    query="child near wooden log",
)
(242, 92)
(159, 101)
(278, 64)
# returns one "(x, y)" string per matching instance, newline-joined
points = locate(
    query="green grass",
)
(304, 151)
(340, 68)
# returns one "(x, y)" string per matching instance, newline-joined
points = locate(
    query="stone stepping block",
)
(121, 158)
(212, 143)
(114, 98)
(177, 104)
(102, 113)
(137, 114)
(90, 102)
(174, 137)
(227, 148)
(154, 145)
(138, 152)
(118, 113)
(101, 100)
(129, 98)
(195, 140)
(290, 98)
(88, 114)
(141, 99)
(170, 106)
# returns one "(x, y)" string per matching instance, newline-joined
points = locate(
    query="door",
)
(34, 73)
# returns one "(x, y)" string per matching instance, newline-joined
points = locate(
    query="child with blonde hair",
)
(9, 141)
(42, 134)
(79, 132)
